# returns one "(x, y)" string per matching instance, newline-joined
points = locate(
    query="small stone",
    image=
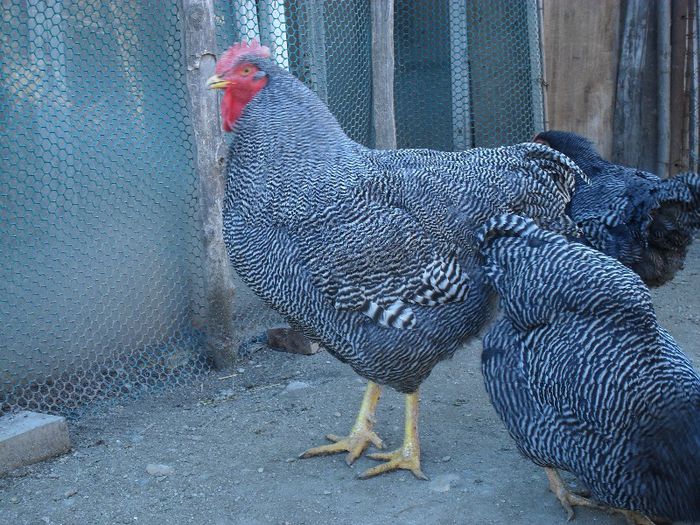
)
(293, 386)
(14, 499)
(290, 460)
(287, 340)
(240, 370)
(224, 395)
(326, 492)
(159, 470)
(337, 414)
(443, 482)
(445, 459)
(70, 493)
(261, 470)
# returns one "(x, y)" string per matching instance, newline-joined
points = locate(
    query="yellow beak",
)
(216, 82)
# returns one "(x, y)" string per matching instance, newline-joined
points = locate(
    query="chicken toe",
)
(361, 435)
(569, 500)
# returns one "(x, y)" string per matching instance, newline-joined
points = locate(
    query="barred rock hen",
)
(370, 253)
(645, 222)
(584, 377)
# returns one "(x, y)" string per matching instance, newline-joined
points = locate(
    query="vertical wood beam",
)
(537, 71)
(310, 35)
(383, 74)
(631, 139)
(459, 74)
(694, 70)
(200, 45)
(663, 104)
(681, 50)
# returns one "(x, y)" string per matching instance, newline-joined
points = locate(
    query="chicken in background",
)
(586, 380)
(370, 253)
(643, 221)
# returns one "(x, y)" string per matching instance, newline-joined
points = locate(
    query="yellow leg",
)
(568, 500)
(361, 433)
(408, 456)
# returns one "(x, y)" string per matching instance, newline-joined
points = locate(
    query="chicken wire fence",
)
(101, 279)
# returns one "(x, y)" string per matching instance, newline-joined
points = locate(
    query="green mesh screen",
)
(101, 286)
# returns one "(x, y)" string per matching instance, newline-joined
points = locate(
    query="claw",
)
(569, 499)
(361, 435)
(396, 460)
(355, 444)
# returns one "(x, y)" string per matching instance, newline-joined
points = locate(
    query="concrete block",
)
(287, 340)
(29, 437)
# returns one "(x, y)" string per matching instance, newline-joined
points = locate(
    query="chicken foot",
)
(408, 456)
(361, 434)
(568, 500)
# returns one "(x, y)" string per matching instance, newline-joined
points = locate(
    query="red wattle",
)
(236, 98)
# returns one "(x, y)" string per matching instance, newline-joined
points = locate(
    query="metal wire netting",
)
(100, 247)
(101, 285)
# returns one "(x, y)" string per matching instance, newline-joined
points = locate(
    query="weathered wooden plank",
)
(663, 100)
(534, 37)
(694, 72)
(635, 122)
(200, 46)
(581, 46)
(459, 74)
(383, 73)
(681, 48)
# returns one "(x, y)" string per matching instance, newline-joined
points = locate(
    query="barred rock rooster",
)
(370, 253)
(645, 222)
(585, 379)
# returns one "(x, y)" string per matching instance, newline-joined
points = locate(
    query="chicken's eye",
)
(246, 71)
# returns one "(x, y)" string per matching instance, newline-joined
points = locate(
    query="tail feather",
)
(551, 179)
(671, 229)
(692, 182)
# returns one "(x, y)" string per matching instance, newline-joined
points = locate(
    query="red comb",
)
(229, 58)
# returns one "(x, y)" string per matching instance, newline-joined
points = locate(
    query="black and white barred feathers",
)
(645, 222)
(373, 253)
(584, 377)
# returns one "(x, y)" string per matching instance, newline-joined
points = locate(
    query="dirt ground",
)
(229, 447)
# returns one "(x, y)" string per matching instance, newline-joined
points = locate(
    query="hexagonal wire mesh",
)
(101, 288)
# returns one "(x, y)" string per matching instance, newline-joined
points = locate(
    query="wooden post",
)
(459, 74)
(681, 30)
(534, 33)
(200, 45)
(383, 74)
(315, 48)
(632, 140)
(663, 104)
(694, 69)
